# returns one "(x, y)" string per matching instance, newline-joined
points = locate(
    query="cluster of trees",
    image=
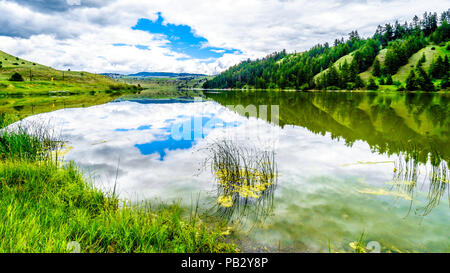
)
(347, 77)
(439, 68)
(298, 70)
(400, 50)
(282, 70)
(418, 78)
(16, 77)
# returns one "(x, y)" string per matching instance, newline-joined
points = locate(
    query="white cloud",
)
(82, 36)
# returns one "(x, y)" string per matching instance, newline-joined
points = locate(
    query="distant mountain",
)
(164, 74)
(154, 75)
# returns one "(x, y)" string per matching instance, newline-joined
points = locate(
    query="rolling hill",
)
(43, 79)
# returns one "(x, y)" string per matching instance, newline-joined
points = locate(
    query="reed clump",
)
(246, 178)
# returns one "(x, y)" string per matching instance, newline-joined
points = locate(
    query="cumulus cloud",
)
(81, 34)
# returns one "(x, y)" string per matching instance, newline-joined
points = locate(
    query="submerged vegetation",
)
(246, 179)
(45, 205)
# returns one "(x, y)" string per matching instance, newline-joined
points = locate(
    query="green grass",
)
(40, 79)
(366, 75)
(337, 64)
(430, 54)
(45, 204)
(404, 71)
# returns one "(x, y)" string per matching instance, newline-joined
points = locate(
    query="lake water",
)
(347, 163)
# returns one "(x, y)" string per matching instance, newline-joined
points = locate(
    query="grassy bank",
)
(45, 204)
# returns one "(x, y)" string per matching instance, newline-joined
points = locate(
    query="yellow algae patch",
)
(357, 247)
(247, 183)
(401, 182)
(227, 231)
(367, 163)
(65, 149)
(385, 192)
(225, 201)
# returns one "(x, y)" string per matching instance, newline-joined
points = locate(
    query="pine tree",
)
(411, 83)
(389, 80)
(438, 68)
(345, 72)
(423, 59)
(372, 85)
(376, 68)
(445, 82)
(359, 83)
(424, 81)
(16, 77)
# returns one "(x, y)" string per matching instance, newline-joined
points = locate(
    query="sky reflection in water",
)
(320, 195)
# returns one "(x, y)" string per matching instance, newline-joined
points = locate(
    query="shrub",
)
(389, 80)
(372, 85)
(445, 82)
(16, 77)
(15, 64)
(332, 87)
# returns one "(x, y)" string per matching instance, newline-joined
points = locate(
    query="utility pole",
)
(31, 76)
(63, 75)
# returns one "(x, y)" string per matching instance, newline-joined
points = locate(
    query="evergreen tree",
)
(423, 59)
(376, 68)
(424, 81)
(411, 83)
(372, 85)
(389, 80)
(16, 77)
(359, 83)
(439, 67)
(445, 82)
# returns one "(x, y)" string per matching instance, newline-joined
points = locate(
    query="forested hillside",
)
(377, 62)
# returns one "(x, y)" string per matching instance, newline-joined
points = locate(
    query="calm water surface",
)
(347, 163)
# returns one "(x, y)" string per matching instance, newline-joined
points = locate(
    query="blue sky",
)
(182, 39)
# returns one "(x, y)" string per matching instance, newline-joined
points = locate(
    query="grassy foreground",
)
(44, 205)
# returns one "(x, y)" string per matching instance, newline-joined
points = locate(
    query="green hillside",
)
(39, 79)
(431, 52)
(366, 75)
(389, 60)
(347, 58)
